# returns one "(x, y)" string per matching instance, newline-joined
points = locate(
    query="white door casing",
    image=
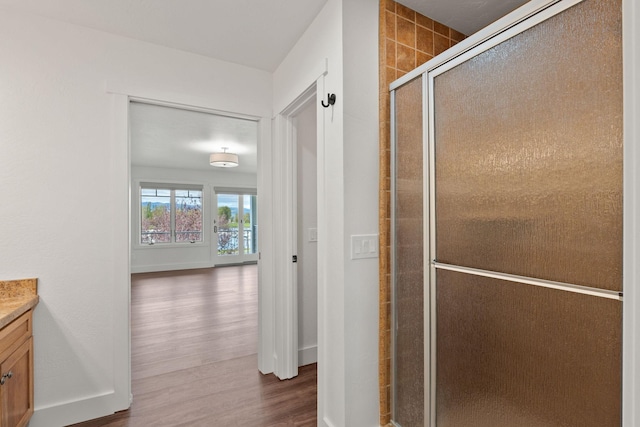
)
(286, 309)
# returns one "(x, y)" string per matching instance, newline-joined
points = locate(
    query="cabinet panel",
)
(15, 333)
(17, 391)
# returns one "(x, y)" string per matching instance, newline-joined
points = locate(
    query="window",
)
(237, 224)
(170, 214)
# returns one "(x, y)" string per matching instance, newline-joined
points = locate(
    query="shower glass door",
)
(524, 209)
(527, 183)
(408, 248)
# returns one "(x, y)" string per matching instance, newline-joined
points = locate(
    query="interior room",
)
(76, 77)
(172, 147)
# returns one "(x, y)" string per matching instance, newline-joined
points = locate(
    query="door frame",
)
(286, 291)
(301, 236)
(121, 95)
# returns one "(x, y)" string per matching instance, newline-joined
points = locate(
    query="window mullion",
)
(240, 224)
(174, 239)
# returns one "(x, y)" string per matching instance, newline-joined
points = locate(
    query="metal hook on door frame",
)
(331, 99)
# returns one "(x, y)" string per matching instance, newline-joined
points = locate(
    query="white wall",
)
(65, 189)
(345, 33)
(323, 41)
(307, 219)
(145, 258)
(361, 160)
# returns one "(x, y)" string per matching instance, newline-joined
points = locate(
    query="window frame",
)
(172, 187)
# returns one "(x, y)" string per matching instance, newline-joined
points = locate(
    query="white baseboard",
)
(77, 411)
(169, 267)
(325, 420)
(308, 355)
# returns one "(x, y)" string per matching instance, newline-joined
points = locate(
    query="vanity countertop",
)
(16, 298)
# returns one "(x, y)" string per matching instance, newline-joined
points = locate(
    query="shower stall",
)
(507, 225)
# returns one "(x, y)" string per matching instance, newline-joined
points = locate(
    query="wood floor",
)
(194, 342)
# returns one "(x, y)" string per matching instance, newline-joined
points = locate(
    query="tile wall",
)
(407, 40)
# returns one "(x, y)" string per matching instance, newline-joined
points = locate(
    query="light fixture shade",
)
(223, 160)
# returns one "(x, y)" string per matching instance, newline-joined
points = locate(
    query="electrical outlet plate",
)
(364, 246)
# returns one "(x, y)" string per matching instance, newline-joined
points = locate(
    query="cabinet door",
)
(17, 391)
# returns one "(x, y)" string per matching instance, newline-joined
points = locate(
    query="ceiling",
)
(254, 33)
(466, 16)
(169, 137)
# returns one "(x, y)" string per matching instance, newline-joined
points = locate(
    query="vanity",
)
(18, 299)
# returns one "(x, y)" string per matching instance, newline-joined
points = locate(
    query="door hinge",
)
(295, 258)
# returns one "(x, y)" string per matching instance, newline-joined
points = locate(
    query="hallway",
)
(194, 342)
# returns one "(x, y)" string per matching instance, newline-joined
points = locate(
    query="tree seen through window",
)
(170, 215)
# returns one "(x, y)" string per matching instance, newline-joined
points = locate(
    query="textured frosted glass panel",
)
(512, 355)
(528, 142)
(408, 261)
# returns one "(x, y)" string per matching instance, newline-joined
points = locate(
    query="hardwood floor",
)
(194, 363)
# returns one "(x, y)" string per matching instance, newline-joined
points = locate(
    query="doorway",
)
(235, 226)
(306, 230)
(295, 221)
(276, 305)
(170, 149)
(174, 153)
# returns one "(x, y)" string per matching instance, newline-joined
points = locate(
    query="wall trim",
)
(318, 70)
(153, 268)
(266, 321)
(327, 422)
(308, 355)
(74, 412)
(162, 96)
(121, 166)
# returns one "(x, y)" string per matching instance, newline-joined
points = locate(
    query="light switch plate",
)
(364, 246)
(313, 234)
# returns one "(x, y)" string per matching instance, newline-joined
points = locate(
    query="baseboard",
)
(169, 267)
(183, 266)
(67, 413)
(235, 264)
(308, 355)
(325, 420)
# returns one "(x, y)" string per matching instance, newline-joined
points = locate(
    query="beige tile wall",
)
(407, 39)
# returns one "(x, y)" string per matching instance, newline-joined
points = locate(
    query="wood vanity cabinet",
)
(16, 372)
